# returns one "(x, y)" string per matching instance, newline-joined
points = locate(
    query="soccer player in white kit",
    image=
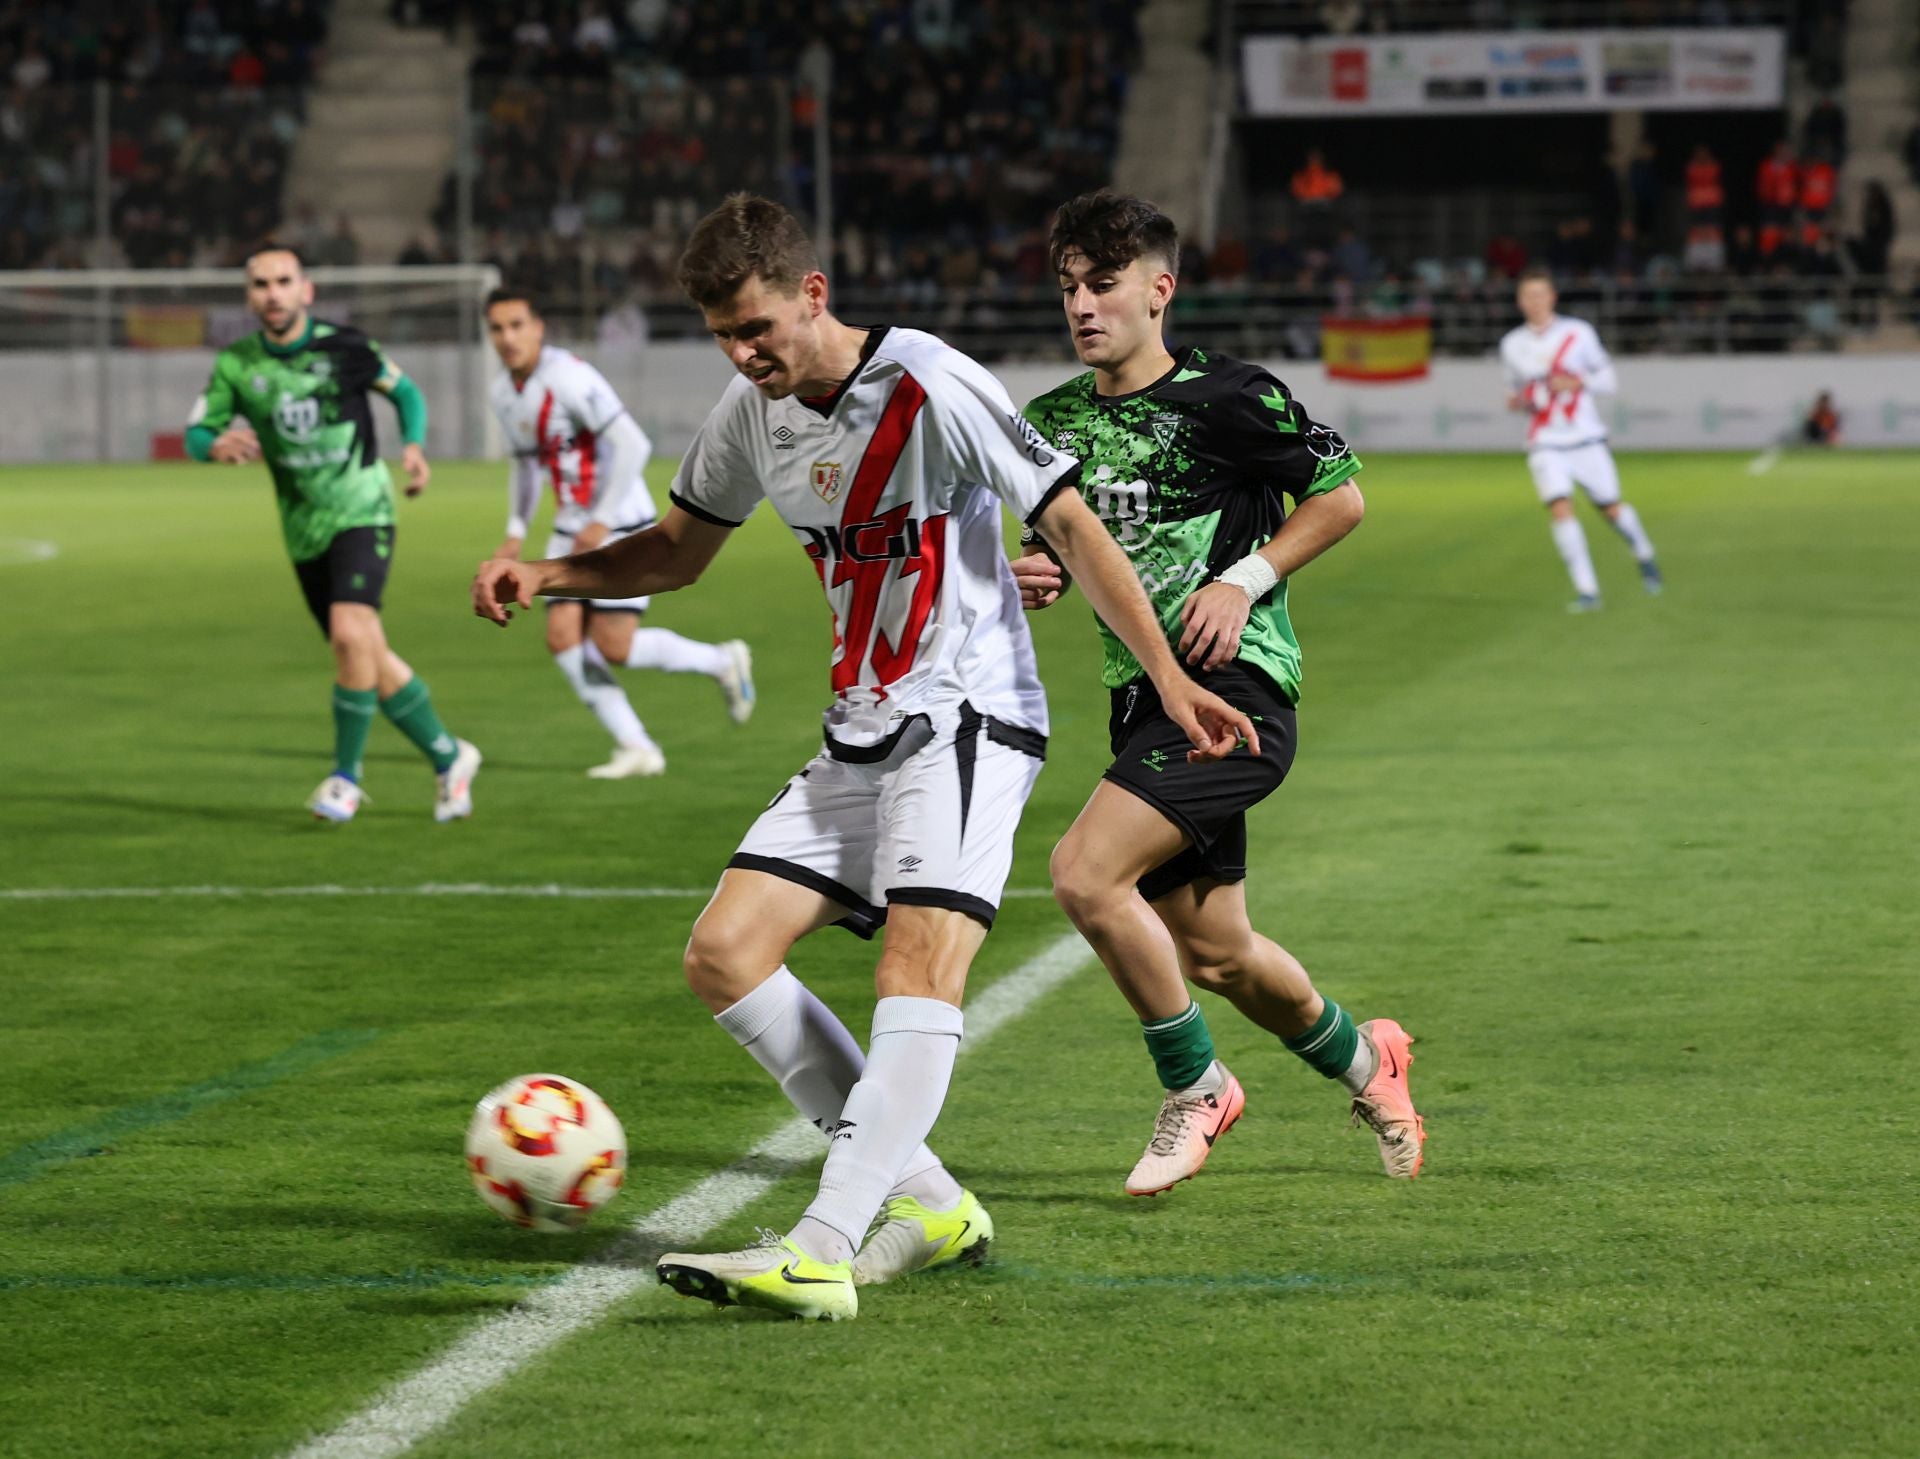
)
(888, 455)
(1555, 368)
(568, 429)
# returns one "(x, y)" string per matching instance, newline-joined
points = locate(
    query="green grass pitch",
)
(1641, 883)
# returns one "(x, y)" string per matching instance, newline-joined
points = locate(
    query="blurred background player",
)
(1555, 368)
(1184, 458)
(563, 421)
(294, 393)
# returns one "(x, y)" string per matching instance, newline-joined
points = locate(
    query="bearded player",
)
(296, 394)
(1188, 460)
(888, 456)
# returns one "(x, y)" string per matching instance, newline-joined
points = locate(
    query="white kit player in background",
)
(567, 429)
(1555, 368)
(888, 456)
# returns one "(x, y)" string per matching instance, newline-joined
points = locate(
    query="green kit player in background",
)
(1185, 459)
(296, 395)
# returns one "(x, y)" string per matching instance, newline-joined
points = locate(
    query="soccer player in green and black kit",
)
(296, 394)
(1185, 458)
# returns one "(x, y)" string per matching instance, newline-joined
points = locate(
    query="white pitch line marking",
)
(18, 551)
(1763, 463)
(424, 889)
(502, 1345)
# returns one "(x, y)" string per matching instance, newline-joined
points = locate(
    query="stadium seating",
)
(200, 103)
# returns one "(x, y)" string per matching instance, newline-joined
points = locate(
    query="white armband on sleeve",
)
(1252, 575)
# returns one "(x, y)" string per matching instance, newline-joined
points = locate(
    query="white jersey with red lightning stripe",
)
(893, 486)
(554, 420)
(1559, 419)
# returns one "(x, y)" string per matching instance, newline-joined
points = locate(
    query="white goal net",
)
(104, 365)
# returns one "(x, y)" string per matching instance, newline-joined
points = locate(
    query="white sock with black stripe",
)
(888, 1114)
(807, 1049)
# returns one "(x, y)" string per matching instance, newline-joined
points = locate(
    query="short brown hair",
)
(1534, 273)
(1111, 230)
(745, 237)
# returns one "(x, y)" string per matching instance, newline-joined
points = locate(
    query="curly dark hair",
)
(745, 237)
(1111, 230)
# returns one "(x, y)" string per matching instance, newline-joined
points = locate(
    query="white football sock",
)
(587, 671)
(662, 648)
(1366, 1063)
(1211, 1082)
(1626, 522)
(887, 1115)
(1572, 543)
(799, 1041)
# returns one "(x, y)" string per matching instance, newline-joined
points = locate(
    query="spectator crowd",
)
(202, 100)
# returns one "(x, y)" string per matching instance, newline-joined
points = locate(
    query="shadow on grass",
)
(153, 807)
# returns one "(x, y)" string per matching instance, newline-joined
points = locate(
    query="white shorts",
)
(1556, 471)
(928, 822)
(560, 544)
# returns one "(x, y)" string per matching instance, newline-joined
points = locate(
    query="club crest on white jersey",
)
(893, 488)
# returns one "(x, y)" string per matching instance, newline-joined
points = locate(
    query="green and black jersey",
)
(308, 401)
(1188, 475)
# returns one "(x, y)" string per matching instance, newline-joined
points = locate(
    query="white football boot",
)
(631, 760)
(336, 800)
(453, 787)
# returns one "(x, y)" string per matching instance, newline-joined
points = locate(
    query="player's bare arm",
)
(1214, 727)
(1214, 616)
(669, 555)
(589, 537)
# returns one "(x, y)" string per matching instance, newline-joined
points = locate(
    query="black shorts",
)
(1208, 802)
(353, 569)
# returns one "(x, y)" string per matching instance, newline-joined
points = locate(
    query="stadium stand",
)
(198, 102)
(603, 132)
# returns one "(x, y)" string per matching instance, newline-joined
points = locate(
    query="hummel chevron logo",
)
(1278, 403)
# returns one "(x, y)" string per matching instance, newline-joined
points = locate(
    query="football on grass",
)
(545, 1152)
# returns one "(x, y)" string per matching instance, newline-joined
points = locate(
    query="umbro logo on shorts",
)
(910, 863)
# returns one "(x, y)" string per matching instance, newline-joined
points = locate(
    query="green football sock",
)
(1330, 1044)
(352, 718)
(411, 710)
(1182, 1048)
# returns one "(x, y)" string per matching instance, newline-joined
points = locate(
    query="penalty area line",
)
(502, 1345)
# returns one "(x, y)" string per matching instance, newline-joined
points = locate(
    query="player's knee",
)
(1083, 894)
(719, 964)
(1216, 968)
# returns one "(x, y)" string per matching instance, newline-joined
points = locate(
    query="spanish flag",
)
(166, 326)
(1376, 349)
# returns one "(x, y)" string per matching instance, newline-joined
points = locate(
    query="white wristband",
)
(1252, 575)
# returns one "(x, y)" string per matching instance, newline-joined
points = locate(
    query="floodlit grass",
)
(1640, 883)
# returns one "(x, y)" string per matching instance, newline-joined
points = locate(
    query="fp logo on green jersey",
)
(296, 418)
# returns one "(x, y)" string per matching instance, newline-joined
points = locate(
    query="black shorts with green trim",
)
(1209, 802)
(353, 569)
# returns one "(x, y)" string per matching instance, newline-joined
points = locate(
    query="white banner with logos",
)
(1556, 70)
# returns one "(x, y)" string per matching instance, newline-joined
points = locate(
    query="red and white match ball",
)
(545, 1152)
